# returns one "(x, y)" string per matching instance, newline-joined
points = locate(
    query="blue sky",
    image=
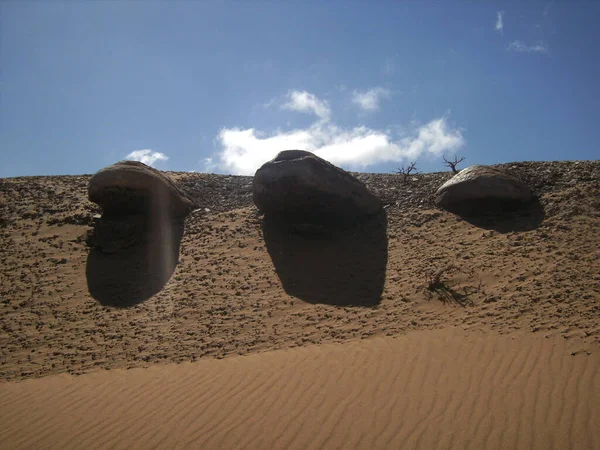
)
(222, 86)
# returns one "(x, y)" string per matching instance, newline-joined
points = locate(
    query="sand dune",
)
(241, 287)
(255, 338)
(428, 389)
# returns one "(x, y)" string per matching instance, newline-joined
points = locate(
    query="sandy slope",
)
(428, 389)
(328, 342)
(241, 286)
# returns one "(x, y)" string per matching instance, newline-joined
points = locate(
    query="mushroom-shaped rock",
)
(131, 187)
(305, 189)
(478, 187)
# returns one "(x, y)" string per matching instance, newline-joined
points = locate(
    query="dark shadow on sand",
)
(345, 267)
(139, 271)
(503, 216)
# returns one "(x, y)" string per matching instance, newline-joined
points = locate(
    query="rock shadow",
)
(344, 267)
(503, 216)
(143, 258)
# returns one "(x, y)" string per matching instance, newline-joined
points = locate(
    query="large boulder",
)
(131, 187)
(476, 188)
(308, 191)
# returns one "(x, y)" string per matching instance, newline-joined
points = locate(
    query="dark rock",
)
(131, 187)
(141, 206)
(305, 189)
(116, 233)
(479, 187)
(308, 228)
(143, 223)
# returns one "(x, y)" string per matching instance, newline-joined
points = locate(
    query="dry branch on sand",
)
(446, 292)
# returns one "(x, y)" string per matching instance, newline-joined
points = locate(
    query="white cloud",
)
(243, 151)
(146, 156)
(369, 100)
(500, 21)
(519, 46)
(306, 102)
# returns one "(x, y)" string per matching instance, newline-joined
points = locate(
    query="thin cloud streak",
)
(500, 22)
(389, 67)
(521, 47)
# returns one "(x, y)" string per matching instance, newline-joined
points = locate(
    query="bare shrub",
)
(453, 164)
(406, 171)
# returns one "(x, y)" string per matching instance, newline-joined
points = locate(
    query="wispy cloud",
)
(519, 46)
(369, 100)
(243, 151)
(306, 102)
(147, 156)
(389, 67)
(500, 22)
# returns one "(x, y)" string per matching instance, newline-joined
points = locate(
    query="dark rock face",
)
(142, 221)
(308, 191)
(130, 187)
(117, 233)
(479, 188)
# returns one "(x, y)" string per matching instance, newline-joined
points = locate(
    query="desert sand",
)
(237, 335)
(428, 389)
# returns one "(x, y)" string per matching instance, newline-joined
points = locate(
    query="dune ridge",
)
(427, 389)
